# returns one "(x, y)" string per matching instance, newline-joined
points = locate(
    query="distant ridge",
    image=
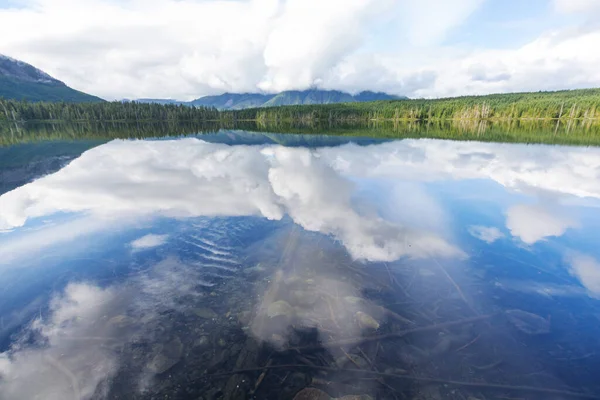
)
(22, 81)
(238, 101)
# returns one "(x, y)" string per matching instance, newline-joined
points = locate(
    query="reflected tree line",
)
(574, 132)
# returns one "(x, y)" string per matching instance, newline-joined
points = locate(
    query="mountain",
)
(375, 96)
(237, 101)
(233, 101)
(296, 97)
(21, 81)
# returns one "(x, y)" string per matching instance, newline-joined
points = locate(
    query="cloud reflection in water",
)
(310, 287)
(189, 178)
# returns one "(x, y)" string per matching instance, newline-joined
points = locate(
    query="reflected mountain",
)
(234, 265)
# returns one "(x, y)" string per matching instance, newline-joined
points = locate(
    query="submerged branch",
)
(479, 385)
(393, 335)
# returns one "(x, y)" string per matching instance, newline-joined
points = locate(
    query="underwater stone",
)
(316, 394)
(205, 312)
(202, 341)
(169, 355)
(352, 300)
(280, 308)
(312, 394)
(303, 297)
(365, 320)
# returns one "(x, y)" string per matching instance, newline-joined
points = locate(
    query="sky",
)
(185, 49)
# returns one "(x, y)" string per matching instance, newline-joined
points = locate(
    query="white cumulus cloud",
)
(573, 6)
(188, 48)
(587, 269)
(189, 177)
(488, 234)
(532, 223)
(75, 354)
(149, 241)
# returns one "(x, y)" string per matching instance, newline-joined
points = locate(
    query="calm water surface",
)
(239, 265)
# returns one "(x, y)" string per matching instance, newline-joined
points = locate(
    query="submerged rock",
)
(280, 308)
(293, 280)
(316, 394)
(352, 300)
(527, 322)
(312, 394)
(237, 388)
(303, 297)
(351, 361)
(205, 312)
(201, 342)
(278, 340)
(169, 355)
(365, 320)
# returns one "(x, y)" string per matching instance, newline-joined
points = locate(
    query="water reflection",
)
(190, 178)
(408, 269)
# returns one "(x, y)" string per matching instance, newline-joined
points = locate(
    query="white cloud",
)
(189, 177)
(555, 60)
(75, 354)
(541, 288)
(565, 171)
(488, 234)
(586, 269)
(188, 48)
(532, 223)
(46, 236)
(149, 241)
(574, 6)
(304, 45)
(75, 351)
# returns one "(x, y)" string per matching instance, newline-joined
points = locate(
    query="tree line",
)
(563, 105)
(571, 104)
(12, 110)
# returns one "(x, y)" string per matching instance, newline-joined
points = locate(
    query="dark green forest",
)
(11, 110)
(567, 117)
(565, 105)
(571, 104)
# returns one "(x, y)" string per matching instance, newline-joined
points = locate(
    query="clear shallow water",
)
(417, 269)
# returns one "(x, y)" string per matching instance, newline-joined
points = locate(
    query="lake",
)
(253, 265)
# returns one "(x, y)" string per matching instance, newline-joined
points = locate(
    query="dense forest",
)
(566, 105)
(571, 104)
(106, 111)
